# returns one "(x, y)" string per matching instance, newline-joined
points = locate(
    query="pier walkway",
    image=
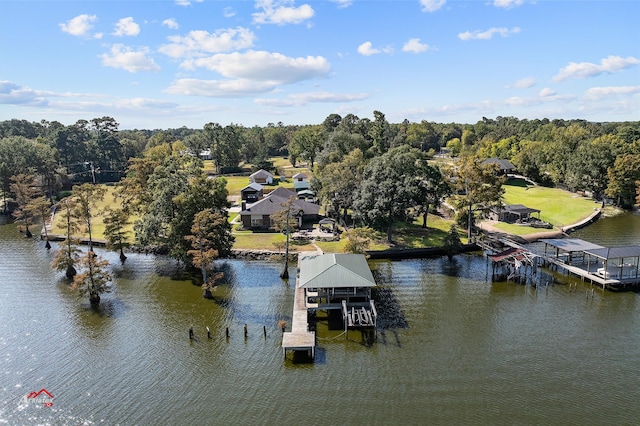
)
(299, 338)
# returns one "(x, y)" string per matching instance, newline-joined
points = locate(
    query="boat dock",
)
(299, 338)
(611, 268)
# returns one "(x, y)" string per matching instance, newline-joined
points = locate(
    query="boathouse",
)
(330, 282)
(610, 267)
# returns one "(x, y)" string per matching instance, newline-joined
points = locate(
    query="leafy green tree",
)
(623, 180)
(115, 223)
(358, 239)
(67, 256)
(479, 189)
(87, 197)
(306, 143)
(201, 194)
(431, 189)
(452, 243)
(337, 182)
(379, 133)
(588, 165)
(24, 192)
(18, 155)
(94, 279)
(454, 146)
(389, 186)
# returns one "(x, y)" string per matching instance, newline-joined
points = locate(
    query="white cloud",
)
(301, 99)
(609, 65)
(125, 58)
(546, 92)
(596, 93)
(343, 3)
(14, 94)
(488, 34)
(228, 12)
(432, 5)
(508, 4)
(366, 49)
(171, 23)
(220, 88)
(80, 25)
(415, 46)
(281, 12)
(197, 43)
(187, 2)
(265, 66)
(126, 27)
(523, 83)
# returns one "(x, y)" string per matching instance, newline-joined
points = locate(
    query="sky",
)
(173, 63)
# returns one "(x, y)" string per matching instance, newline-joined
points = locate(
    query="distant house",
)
(505, 166)
(205, 154)
(261, 176)
(300, 182)
(252, 192)
(258, 215)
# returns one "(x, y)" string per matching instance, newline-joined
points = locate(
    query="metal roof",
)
(571, 244)
(615, 252)
(519, 209)
(261, 173)
(335, 271)
(253, 185)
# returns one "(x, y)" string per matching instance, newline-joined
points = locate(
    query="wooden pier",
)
(299, 338)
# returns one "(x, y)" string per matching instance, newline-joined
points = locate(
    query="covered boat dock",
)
(610, 267)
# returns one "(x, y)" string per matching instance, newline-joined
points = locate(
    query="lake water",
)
(459, 350)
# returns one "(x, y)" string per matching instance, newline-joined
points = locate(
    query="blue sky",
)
(166, 64)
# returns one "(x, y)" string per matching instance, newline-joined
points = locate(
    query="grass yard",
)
(247, 240)
(558, 207)
(97, 227)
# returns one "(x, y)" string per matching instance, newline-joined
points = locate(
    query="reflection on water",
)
(452, 348)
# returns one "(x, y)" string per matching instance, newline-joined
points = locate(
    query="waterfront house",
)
(258, 215)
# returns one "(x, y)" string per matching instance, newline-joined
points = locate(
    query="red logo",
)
(43, 397)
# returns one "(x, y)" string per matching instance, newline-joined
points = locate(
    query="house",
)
(258, 215)
(252, 192)
(205, 154)
(300, 182)
(261, 176)
(505, 166)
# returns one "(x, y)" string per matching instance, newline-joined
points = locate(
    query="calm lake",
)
(458, 350)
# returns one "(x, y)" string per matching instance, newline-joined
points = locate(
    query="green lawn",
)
(247, 240)
(558, 207)
(97, 227)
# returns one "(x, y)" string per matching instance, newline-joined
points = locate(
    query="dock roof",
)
(335, 271)
(615, 252)
(571, 244)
